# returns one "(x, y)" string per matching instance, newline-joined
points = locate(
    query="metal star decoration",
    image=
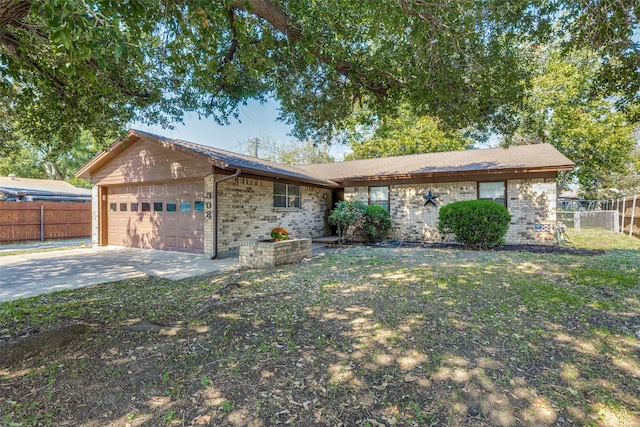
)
(430, 198)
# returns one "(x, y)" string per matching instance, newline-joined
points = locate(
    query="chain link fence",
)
(607, 219)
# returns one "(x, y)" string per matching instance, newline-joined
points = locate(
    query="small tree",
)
(347, 214)
(475, 223)
(377, 223)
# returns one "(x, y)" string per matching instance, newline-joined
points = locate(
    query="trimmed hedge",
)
(377, 223)
(475, 223)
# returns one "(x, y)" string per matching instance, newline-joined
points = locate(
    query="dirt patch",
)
(35, 343)
(359, 336)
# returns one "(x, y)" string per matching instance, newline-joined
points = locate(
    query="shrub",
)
(279, 233)
(346, 215)
(475, 223)
(376, 223)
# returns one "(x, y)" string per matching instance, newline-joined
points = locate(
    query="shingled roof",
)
(42, 189)
(217, 157)
(516, 159)
(513, 160)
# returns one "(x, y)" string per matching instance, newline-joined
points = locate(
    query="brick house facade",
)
(162, 193)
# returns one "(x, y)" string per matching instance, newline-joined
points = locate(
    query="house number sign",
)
(208, 213)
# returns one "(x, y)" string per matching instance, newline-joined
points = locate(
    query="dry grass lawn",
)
(354, 337)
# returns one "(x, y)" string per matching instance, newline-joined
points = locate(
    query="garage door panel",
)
(165, 229)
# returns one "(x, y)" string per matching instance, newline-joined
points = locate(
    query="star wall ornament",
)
(430, 198)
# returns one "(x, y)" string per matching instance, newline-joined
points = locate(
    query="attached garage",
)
(152, 192)
(166, 216)
(150, 195)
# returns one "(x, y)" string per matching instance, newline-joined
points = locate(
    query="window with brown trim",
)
(379, 196)
(496, 191)
(286, 196)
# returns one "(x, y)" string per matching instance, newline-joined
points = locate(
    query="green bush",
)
(346, 215)
(475, 223)
(377, 223)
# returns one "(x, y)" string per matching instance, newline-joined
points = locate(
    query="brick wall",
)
(530, 202)
(256, 254)
(246, 212)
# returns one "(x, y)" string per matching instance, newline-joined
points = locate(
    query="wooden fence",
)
(628, 214)
(28, 221)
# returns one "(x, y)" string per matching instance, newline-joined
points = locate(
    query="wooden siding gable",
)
(147, 161)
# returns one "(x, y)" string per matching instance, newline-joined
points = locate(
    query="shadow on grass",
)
(368, 336)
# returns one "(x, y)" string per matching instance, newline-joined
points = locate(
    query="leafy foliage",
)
(401, 135)
(53, 159)
(348, 215)
(377, 223)
(71, 65)
(562, 110)
(279, 233)
(475, 223)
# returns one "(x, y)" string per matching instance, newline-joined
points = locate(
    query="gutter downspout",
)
(215, 210)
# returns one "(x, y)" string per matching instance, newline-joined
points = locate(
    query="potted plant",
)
(278, 234)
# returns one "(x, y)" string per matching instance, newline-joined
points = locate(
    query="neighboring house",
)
(156, 192)
(14, 189)
(569, 201)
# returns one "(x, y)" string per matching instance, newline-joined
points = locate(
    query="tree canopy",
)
(589, 130)
(73, 65)
(52, 159)
(401, 135)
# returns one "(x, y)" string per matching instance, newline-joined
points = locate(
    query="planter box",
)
(262, 253)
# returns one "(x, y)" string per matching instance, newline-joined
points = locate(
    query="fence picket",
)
(32, 221)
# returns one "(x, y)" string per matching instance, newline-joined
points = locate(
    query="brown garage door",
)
(167, 216)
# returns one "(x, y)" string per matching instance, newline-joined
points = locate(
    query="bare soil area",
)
(359, 336)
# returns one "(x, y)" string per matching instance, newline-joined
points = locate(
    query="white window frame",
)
(290, 196)
(502, 200)
(380, 202)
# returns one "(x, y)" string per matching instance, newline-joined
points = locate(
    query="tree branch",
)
(12, 12)
(12, 45)
(275, 16)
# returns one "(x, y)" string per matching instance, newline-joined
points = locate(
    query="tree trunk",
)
(12, 12)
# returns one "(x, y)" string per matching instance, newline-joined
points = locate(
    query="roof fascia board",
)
(451, 177)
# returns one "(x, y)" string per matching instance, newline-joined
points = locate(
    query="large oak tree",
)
(68, 65)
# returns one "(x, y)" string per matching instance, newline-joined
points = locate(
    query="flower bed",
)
(268, 253)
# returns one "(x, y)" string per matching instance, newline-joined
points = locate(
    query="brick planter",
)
(261, 253)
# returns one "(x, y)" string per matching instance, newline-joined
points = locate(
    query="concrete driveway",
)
(39, 273)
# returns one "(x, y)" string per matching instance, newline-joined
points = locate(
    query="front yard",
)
(355, 337)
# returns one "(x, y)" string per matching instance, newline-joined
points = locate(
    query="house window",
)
(492, 191)
(146, 207)
(134, 207)
(123, 207)
(112, 207)
(157, 206)
(198, 206)
(171, 207)
(286, 196)
(185, 206)
(379, 196)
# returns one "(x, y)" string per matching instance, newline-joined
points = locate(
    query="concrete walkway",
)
(32, 274)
